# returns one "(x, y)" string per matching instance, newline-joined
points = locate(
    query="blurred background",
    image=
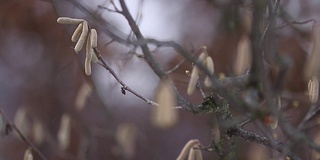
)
(43, 82)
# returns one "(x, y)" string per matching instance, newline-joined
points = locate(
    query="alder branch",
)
(124, 86)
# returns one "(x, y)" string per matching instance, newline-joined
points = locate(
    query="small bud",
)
(76, 34)
(187, 72)
(313, 89)
(93, 38)
(83, 37)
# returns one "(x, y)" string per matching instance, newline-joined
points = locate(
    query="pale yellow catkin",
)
(274, 119)
(38, 132)
(64, 132)
(210, 66)
(89, 51)
(187, 148)
(77, 32)
(243, 59)
(67, 20)
(192, 154)
(28, 155)
(83, 37)
(87, 66)
(198, 154)
(164, 115)
(82, 96)
(313, 89)
(193, 80)
(312, 65)
(126, 139)
(93, 38)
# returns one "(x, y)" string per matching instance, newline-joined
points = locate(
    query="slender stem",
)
(24, 138)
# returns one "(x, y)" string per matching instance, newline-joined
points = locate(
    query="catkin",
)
(77, 32)
(87, 63)
(312, 65)
(164, 115)
(93, 38)
(274, 119)
(28, 155)
(83, 37)
(313, 89)
(64, 132)
(87, 66)
(198, 154)
(193, 80)
(210, 66)
(243, 60)
(192, 154)
(67, 20)
(187, 148)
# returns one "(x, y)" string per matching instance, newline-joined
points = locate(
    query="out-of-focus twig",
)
(24, 138)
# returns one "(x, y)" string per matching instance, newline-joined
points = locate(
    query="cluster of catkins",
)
(82, 35)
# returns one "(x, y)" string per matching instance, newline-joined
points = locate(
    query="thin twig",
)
(124, 86)
(272, 18)
(24, 138)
